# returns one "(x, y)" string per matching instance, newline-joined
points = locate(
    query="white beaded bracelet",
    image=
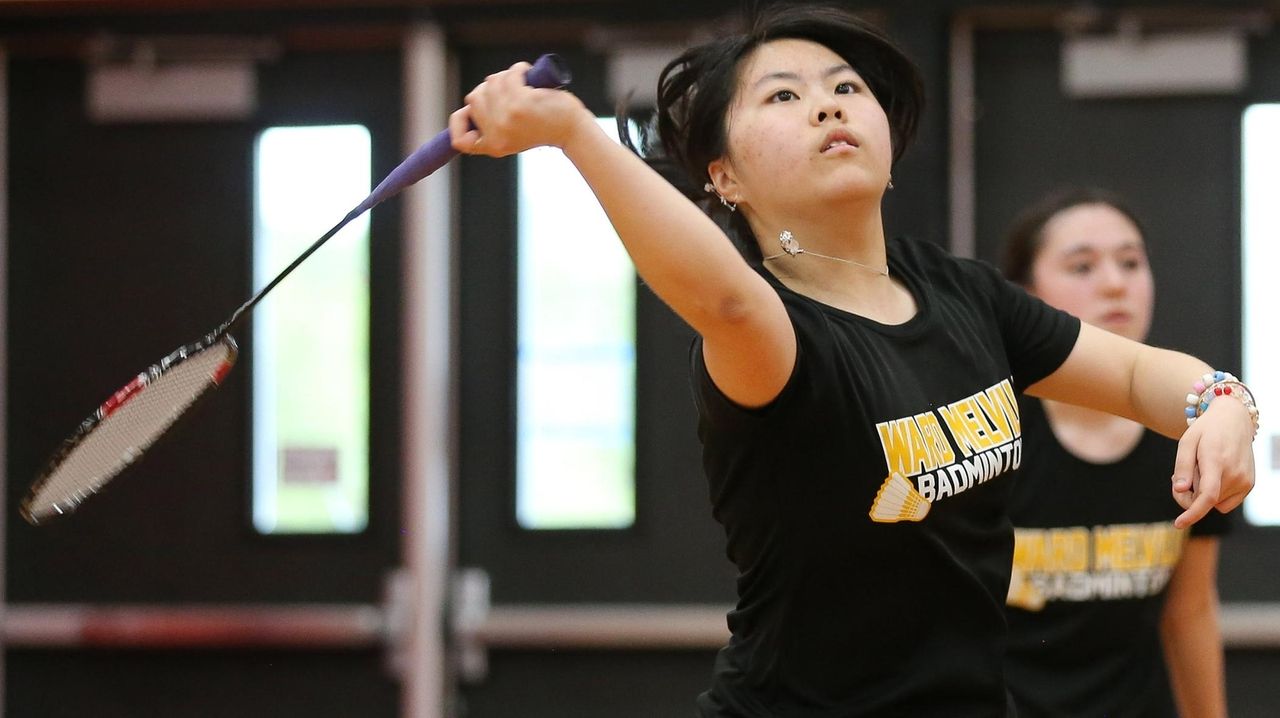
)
(1216, 384)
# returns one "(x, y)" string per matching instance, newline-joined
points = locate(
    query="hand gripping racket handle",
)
(549, 71)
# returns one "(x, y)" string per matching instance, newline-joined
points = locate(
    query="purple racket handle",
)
(548, 71)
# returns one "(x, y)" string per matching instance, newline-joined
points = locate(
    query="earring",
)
(890, 182)
(708, 187)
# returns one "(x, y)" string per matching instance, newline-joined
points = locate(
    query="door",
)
(584, 622)
(126, 240)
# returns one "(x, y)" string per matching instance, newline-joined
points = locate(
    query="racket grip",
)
(549, 71)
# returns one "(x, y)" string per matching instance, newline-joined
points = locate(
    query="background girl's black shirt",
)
(1095, 549)
(861, 593)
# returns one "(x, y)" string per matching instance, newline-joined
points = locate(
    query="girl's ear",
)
(722, 176)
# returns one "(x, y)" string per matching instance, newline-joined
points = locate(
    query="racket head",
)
(127, 424)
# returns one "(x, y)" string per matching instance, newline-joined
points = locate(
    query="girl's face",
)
(803, 128)
(1093, 263)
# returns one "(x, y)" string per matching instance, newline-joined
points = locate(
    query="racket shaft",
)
(548, 71)
(140, 412)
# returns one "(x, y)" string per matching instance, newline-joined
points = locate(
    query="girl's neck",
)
(849, 246)
(852, 276)
(1094, 436)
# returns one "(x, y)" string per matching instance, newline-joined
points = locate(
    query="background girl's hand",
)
(1214, 468)
(503, 116)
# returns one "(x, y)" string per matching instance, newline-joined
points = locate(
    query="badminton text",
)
(955, 447)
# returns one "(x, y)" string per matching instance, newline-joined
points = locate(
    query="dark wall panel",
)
(1173, 159)
(1251, 683)
(62, 684)
(586, 684)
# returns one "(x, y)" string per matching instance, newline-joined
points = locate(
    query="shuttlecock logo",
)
(897, 500)
(1023, 593)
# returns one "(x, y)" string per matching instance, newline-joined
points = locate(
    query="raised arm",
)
(677, 250)
(1214, 466)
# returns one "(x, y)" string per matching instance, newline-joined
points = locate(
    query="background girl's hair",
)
(689, 130)
(1026, 237)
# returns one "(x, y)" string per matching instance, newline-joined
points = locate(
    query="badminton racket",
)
(125, 425)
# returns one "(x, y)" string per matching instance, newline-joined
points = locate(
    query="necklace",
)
(792, 248)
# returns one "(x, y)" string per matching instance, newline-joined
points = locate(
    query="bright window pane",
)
(575, 445)
(311, 334)
(1261, 295)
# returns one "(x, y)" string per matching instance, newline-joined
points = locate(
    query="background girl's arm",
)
(748, 340)
(1107, 372)
(1191, 633)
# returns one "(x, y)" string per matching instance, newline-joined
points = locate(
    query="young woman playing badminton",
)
(856, 394)
(1087, 613)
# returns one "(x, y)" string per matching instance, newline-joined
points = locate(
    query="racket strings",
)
(116, 440)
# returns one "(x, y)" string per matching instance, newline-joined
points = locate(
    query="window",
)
(575, 423)
(1260, 256)
(310, 343)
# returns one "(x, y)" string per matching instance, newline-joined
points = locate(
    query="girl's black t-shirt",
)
(1095, 548)
(866, 507)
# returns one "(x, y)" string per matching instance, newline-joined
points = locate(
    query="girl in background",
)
(1105, 592)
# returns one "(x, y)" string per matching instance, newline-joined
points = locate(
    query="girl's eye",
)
(1131, 264)
(846, 88)
(783, 96)
(1079, 268)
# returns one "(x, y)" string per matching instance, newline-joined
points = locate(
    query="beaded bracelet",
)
(1216, 384)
